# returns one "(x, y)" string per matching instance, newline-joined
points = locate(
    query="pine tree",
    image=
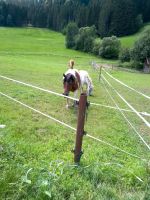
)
(146, 10)
(9, 20)
(123, 18)
(105, 18)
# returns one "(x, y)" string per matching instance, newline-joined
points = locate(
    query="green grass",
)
(36, 159)
(129, 41)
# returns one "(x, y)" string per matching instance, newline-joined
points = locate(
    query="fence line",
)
(115, 147)
(36, 87)
(61, 95)
(125, 116)
(146, 96)
(72, 128)
(128, 120)
(129, 105)
(125, 110)
(48, 116)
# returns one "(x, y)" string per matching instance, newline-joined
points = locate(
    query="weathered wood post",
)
(80, 127)
(100, 72)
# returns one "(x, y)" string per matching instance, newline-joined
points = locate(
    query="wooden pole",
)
(100, 72)
(80, 127)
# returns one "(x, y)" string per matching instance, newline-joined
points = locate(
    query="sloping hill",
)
(128, 41)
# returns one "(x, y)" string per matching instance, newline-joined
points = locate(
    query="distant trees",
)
(93, 13)
(9, 20)
(104, 18)
(110, 17)
(12, 14)
(2, 20)
(145, 5)
(123, 18)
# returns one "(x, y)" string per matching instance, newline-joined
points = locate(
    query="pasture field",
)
(35, 152)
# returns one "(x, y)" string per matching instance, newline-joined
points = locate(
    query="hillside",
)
(128, 41)
(109, 17)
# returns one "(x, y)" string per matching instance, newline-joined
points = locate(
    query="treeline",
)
(110, 17)
(12, 14)
(85, 39)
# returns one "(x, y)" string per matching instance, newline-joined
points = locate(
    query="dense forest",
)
(111, 17)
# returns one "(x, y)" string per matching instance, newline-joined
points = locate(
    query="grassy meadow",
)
(129, 41)
(35, 152)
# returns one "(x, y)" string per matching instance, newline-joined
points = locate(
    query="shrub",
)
(141, 49)
(85, 38)
(71, 32)
(124, 55)
(88, 44)
(131, 65)
(96, 46)
(79, 42)
(64, 30)
(110, 47)
(136, 65)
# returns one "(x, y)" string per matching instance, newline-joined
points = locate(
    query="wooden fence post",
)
(80, 127)
(100, 72)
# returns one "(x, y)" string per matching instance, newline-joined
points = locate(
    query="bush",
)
(96, 46)
(124, 55)
(85, 38)
(131, 65)
(64, 30)
(136, 65)
(79, 43)
(110, 47)
(71, 33)
(88, 44)
(141, 49)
